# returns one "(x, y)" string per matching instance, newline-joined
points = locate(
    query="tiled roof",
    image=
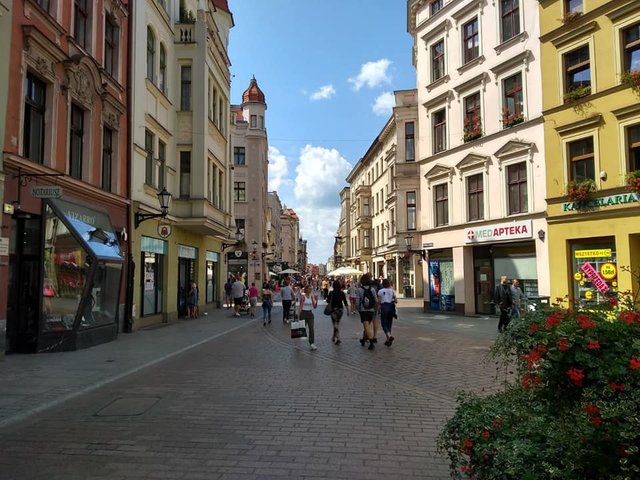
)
(253, 93)
(222, 5)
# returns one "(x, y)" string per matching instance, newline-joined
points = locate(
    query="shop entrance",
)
(186, 275)
(483, 279)
(23, 307)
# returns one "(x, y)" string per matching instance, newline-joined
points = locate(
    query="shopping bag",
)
(298, 329)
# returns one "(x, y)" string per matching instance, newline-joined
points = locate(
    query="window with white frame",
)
(509, 19)
(441, 201)
(470, 40)
(581, 160)
(517, 188)
(435, 6)
(633, 144)
(439, 126)
(437, 60)
(512, 101)
(409, 142)
(475, 197)
(412, 210)
(577, 68)
(631, 44)
(151, 54)
(472, 117)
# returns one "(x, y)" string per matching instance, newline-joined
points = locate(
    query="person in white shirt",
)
(308, 302)
(237, 291)
(286, 294)
(388, 299)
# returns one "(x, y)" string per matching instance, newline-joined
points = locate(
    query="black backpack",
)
(369, 298)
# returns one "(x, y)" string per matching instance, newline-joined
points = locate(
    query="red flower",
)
(613, 301)
(553, 320)
(634, 364)
(541, 348)
(497, 422)
(617, 387)
(630, 317)
(576, 375)
(591, 409)
(585, 321)
(596, 421)
(486, 434)
(465, 469)
(533, 327)
(593, 345)
(563, 344)
(529, 381)
(467, 443)
(485, 457)
(532, 358)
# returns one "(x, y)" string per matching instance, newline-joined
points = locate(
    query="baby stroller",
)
(293, 315)
(244, 306)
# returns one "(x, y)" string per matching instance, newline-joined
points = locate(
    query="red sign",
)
(594, 277)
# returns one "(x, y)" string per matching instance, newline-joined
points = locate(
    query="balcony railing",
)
(185, 33)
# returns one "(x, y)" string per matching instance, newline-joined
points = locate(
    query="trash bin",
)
(408, 293)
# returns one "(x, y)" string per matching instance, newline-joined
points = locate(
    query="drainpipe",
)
(127, 324)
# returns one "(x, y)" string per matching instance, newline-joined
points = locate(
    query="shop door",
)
(483, 280)
(23, 305)
(186, 274)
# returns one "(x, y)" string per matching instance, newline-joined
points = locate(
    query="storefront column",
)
(463, 273)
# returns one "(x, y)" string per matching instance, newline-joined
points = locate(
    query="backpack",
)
(368, 299)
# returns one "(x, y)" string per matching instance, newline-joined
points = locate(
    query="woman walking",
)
(267, 303)
(367, 305)
(388, 300)
(308, 303)
(351, 290)
(337, 298)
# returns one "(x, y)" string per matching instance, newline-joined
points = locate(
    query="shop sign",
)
(608, 271)
(594, 277)
(46, 191)
(608, 201)
(498, 232)
(593, 253)
(164, 230)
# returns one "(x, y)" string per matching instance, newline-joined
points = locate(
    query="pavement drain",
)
(128, 407)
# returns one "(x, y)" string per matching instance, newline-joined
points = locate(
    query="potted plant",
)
(582, 191)
(472, 128)
(632, 79)
(577, 93)
(572, 411)
(510, 119)
(571, 16)
(633, 182)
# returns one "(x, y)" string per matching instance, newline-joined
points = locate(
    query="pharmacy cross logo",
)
(471, 234)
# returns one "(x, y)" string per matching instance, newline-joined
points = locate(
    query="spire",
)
(253, 93)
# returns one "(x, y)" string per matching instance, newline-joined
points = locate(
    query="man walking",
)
(286, 294)
(237, 291)
(519, 300)
(504, 301)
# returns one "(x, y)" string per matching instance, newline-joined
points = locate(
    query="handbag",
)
(328, 310)
(298, 329)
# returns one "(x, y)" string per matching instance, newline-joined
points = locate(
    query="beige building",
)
(250, 185)
(274, 232)
(181, 145)
(290, 230)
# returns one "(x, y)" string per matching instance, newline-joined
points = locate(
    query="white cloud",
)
(278, 169)
(384, 104)
(372, 74)
(324, 92)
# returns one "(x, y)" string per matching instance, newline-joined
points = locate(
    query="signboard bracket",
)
(25, 178)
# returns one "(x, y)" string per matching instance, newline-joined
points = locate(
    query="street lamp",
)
(408, 240)
(164, 198)
(239, 236)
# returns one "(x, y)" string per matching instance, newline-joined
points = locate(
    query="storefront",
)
(153, 264)
(65, 295)
(187, 261)
(211, 276)
(442, 295)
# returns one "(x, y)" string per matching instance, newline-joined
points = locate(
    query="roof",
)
(253, 93)
(222, 5)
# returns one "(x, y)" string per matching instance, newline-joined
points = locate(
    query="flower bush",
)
(510, 119)
(472, 128)
(577, 93)
(632, 79)
(573, 411)
(633, 182)
(581, 191)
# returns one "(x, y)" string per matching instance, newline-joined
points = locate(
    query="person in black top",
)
(504, 301)
(337, 299)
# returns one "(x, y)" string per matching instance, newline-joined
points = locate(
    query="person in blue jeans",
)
(388, 299)
(267, 303)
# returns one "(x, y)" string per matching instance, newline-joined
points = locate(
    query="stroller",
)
(293, 316)
(244, 306)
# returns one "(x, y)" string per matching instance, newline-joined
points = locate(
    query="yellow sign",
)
(588, 294)
(608, 271)
(577, 276)
(595, 253)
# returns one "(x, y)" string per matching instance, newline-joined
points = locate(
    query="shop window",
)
(211, 275)
(517, 188)
(475, 197)
(34, 113)
(238, 155)
(239, 191)
(153, 288)
(577, 67)
(631, 39)
(595, 270)
(582, 160)
(471, 40)
(633, 139)
(510, 18)
(409, 142)
(441, 199)
(439, 122)
(411, 210)
(437, 61)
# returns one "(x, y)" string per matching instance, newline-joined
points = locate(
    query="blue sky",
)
(327, 69)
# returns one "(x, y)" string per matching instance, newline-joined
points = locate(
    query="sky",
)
(328, 70)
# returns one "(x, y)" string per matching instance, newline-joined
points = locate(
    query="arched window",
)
(162, 78)
(151, 54)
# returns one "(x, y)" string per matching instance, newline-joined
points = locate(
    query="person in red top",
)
(253, 299)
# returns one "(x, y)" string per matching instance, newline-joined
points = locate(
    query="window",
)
(238, 156)
(34, 110)
(573, 6)
(240, 226)
(439, 121)
(475, 198)
(185, 89)
(239, 191)
(441, 196)
(631, 38)
(152, 292)
(151, 54)
(110, 45)
(162, 78)
(577, 69)
(76, 135)
(366, 238)
(254, 121)
(472, 117)
(437, 61)
(435, 6)
(44, 4)
(148, 148)
(80, 22)
(517, 187)
(633, 139)
(581, 160)
(471, 40)
(512, 100)
(185, 174)
(510, 12)
(411, 210)
(261, 118)
(107, 158)
(409, 142)
(162, 163)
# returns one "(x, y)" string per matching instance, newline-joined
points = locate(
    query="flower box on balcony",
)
(472, 128)
(576, 94)
(582, 191)
(510, 119)
(633, 182)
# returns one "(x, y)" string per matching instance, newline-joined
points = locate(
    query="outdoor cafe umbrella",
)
(344, 271)
(288, 271)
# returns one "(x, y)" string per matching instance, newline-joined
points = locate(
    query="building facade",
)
(66, 174)
(590, 49)
(289, 234)
(480, 150)
(180, 144)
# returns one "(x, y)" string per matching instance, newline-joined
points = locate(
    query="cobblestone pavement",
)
(227, 398)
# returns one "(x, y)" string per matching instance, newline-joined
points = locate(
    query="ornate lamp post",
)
(164, 198)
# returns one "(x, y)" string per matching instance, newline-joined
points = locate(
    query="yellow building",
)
(592, 134)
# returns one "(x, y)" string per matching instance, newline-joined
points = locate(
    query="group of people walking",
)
(509, 300)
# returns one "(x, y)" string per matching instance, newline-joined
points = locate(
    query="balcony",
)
(363, 191)
(185, 33)
(407, 170)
